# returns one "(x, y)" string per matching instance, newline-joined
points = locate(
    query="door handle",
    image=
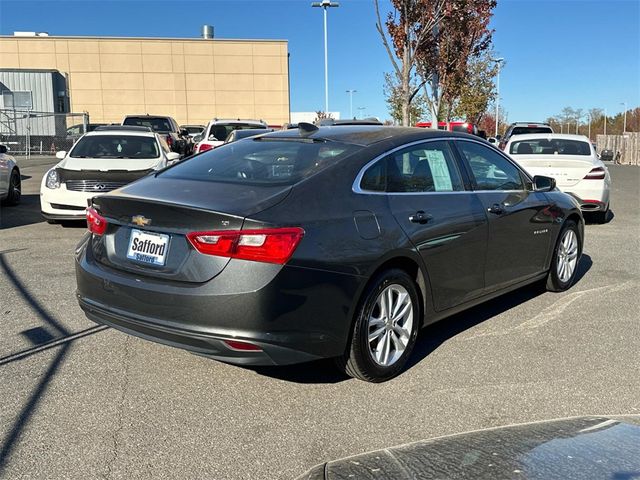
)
(496, 208)
(420, 217)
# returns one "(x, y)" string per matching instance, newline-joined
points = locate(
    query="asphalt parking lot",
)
(84, 401)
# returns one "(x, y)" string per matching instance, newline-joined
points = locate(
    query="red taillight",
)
(242, 346)
(204, 147)
(597, 173)
(96, 223)
(170, 141)
(271, 245)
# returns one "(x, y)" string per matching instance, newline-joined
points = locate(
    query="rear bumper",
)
(293, 314)
(595, 201)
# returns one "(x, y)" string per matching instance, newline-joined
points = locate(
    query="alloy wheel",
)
(390, 325)
(567, 255)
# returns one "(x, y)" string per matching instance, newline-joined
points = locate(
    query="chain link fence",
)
(27, 133)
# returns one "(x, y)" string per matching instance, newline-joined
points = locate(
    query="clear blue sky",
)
(559, 53)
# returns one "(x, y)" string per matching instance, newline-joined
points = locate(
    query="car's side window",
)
(426, 167)
(490, 169)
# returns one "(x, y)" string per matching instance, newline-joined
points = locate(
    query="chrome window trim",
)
(355, 187)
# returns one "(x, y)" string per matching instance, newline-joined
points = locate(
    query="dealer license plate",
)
(147, 247)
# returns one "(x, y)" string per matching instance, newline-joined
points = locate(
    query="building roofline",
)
(95, 37)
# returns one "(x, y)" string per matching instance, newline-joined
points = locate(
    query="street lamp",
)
(351, 92)
(325, 4)
(499, 62)
(624, 128)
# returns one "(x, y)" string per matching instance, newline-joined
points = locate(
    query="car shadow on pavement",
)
(62, 338)
(26, 212)
(434, 335)
(429, 339)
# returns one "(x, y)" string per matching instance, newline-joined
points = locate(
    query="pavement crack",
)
(120, 411)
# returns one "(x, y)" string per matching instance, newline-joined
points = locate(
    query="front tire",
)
(566, 256)
(385, 328)
(15, 185)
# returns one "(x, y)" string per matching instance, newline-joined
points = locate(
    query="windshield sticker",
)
(439, 170)
(119, 148)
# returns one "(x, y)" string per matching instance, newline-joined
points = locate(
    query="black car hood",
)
(574, 448)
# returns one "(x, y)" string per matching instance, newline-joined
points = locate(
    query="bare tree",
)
(409, 26)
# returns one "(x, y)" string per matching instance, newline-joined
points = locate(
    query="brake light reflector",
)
(204, 147)
(597, 173)
(96, 223)
(243, 346)
(270, 245)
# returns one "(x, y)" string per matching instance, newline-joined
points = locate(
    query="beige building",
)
(192, 80)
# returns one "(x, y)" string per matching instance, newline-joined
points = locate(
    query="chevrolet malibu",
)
(332, 242)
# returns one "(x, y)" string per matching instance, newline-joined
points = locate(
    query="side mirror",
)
(173, 157)
(198, 138)
(3, 149)
(61, 154)
(543, 184)
(212, 138)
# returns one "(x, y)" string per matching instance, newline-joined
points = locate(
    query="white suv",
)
(218, 130)
(100, 161)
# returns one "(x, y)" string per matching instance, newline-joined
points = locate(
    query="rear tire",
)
(566, 257)
(385, 328)
(15, 185)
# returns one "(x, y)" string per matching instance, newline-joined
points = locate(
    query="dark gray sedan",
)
(322, 242)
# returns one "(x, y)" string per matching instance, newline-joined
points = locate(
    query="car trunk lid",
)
(148, 223)
(565, 169)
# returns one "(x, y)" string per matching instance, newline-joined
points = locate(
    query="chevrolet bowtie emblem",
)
(140, 220)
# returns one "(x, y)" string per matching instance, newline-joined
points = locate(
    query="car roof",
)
(524, 124)
(548, 136)
(365, 135)
(233, 121)
(120, 131)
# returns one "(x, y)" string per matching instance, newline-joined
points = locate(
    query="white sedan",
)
(572, 161)
(100, 161)
(10, 183)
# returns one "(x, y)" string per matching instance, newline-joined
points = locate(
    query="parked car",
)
(607, 155)
(193, 130)
(457, 126)
(246, 133)
(219, 129)
(178, 139)
(573, 162)
(100, 161)
(10, 180)
(322, 242)
(522, 128)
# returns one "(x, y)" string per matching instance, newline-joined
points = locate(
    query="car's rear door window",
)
(262, 161)
(426, 167)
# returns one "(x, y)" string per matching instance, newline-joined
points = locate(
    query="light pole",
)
(624, 128)
(605, 122)
(325, 4)
(351, 92)
(499, 62)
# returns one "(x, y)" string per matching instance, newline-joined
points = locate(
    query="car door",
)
(519, 218)
(445, 222)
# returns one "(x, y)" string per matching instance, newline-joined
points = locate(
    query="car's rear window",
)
(525, 130)
(545, 146)
(115, 146)
(261, 162)
(155, 124)
(193, 129)
(221, 132)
